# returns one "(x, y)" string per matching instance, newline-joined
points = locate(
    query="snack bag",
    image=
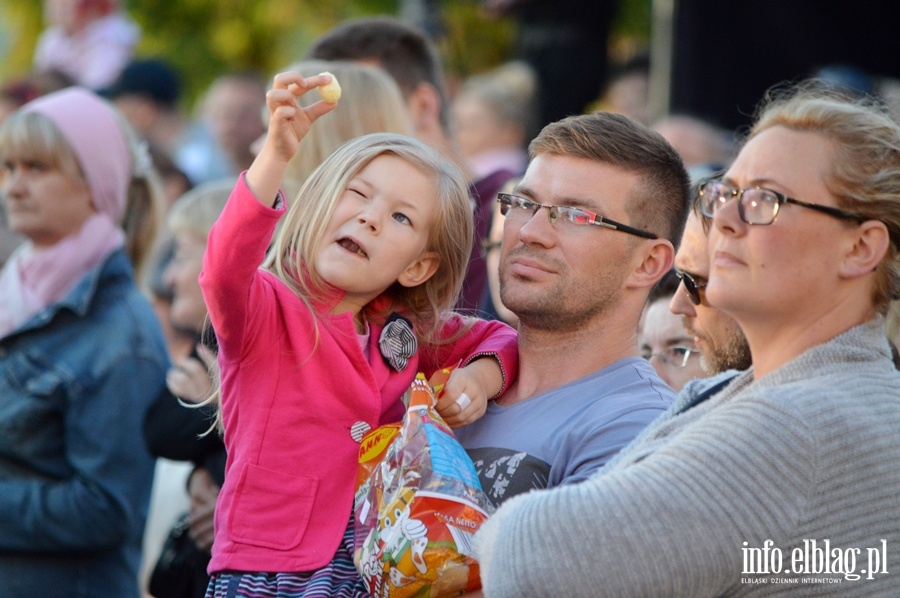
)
(418, 504)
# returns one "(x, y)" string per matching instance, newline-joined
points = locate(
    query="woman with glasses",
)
(789, 477)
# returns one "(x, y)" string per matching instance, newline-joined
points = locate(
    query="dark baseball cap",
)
(150, 77)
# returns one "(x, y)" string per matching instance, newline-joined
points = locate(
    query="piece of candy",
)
(330, 92)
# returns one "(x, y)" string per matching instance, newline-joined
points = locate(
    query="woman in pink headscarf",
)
(81, 353)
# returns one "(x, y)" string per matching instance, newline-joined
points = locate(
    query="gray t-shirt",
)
(566, 434)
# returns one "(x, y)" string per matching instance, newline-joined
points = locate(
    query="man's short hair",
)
(401, 49)
(663, 201)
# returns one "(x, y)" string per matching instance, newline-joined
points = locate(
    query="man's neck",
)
(549, 359)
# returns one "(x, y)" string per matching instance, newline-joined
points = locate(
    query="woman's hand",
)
(193, 381)
(467, 390)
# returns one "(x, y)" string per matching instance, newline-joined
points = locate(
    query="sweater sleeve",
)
(237, 246)
(671, 520)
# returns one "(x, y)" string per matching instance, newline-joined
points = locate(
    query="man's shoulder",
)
(631, 382)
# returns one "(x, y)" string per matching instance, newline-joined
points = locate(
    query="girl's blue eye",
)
(399, 217)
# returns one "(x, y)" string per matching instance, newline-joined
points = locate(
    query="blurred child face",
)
(43, 203)
(188, 310)
(379, 232)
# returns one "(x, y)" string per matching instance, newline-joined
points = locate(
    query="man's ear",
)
(424, 107)
(420, 270)
(867, 247)
(658, 259)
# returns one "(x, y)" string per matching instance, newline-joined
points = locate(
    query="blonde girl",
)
(319, 344)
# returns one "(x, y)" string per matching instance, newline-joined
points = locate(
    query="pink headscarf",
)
(32, 278)
(90, 126)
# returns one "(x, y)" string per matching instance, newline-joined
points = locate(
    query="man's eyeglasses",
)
(691, 285)
(676, 357)
(758, 205)
(517, 208)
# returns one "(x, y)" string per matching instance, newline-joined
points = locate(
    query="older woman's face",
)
(789, 268)
(43, 203)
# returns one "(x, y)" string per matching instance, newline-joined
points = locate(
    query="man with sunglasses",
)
(588, 231)
(720, 340)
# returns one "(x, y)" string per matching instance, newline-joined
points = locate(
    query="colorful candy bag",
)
(418, 504)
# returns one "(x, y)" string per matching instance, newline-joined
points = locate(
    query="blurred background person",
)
(494, 119)
(232, 111)
(663, 339)
(704, 147)
(149, 94)
(81, 353)
(566, 43)
(89, 41)
(18, 91)
(173, 431)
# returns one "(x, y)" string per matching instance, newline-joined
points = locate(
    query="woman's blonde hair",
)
(865, 178)
(371, 102)
(33, 136)
(300, 238)
(195, 212)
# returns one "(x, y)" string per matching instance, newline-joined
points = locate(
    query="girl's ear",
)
(420, 270)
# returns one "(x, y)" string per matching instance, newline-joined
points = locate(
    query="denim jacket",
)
(75, 383)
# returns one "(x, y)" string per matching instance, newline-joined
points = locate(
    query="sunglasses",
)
(691, 286)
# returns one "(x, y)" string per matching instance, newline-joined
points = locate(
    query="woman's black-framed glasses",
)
(758, 205)
(516, 208)
(692, 285)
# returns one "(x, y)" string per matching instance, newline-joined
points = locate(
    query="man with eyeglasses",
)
(664, 341)
(589, 230)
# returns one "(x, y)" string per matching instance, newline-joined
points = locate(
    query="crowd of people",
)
(674, 347)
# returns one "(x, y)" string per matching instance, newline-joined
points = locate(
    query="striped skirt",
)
(337, 579)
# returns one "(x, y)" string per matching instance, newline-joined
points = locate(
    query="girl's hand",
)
(467, 390)
(288, 121)
(288, 125)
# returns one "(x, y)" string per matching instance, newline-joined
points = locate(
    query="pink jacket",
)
(290, 398)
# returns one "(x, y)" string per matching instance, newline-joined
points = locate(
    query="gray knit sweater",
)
(806, 455)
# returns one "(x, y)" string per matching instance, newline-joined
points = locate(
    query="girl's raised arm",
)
(288, 124)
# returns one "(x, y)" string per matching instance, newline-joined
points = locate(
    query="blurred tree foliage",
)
(204, 38)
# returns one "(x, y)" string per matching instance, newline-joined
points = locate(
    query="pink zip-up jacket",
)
(290, 398)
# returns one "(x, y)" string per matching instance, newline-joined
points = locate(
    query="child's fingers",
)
(318, 109)
(296, 84)
(462, 409)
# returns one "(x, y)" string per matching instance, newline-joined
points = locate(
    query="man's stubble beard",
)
(733, 354)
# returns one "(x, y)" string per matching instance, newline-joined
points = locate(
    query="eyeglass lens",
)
(755, 205)
(673, 356)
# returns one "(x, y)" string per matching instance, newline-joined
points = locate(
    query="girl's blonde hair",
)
(371, 102)
(865, 178)
(300, 238)
(33, 136)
